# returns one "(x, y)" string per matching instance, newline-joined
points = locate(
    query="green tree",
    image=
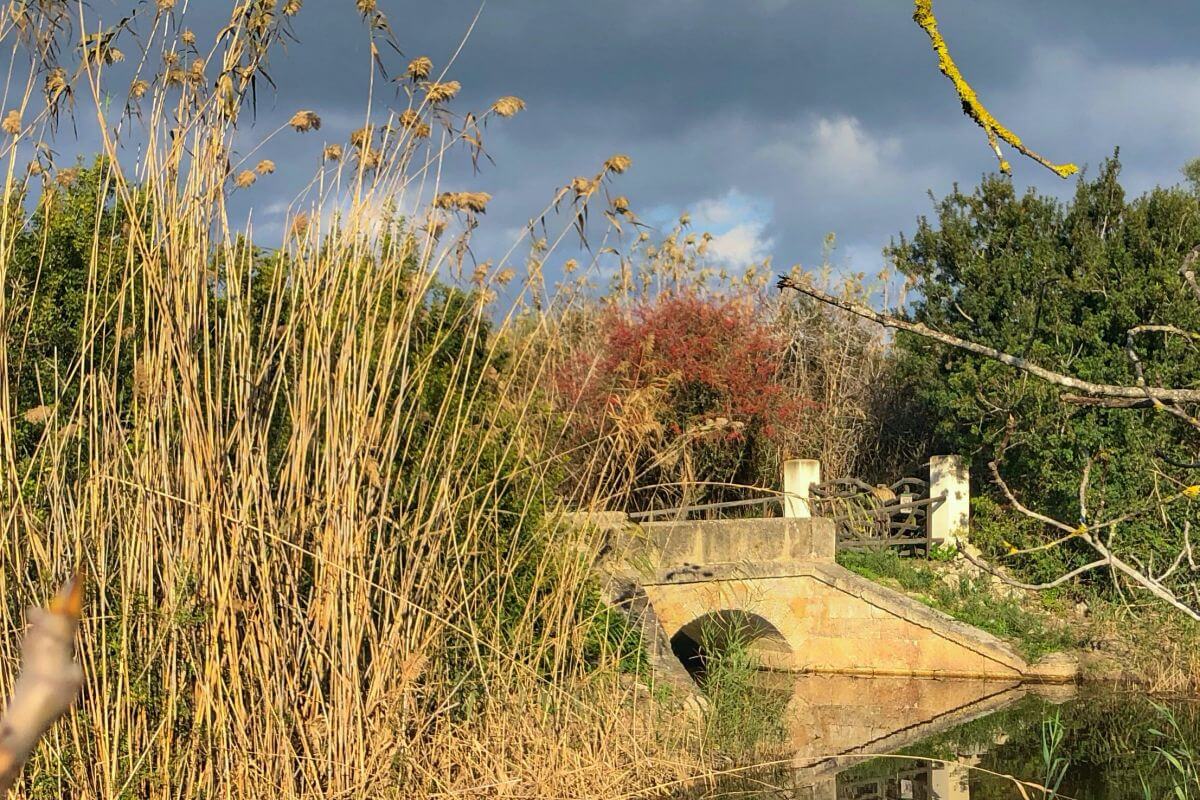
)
(1061, 284)
(54, 295)
(1191, 171)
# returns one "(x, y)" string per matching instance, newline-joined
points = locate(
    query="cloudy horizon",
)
(773, 122)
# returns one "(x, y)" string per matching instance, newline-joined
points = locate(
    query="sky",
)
(772, 122)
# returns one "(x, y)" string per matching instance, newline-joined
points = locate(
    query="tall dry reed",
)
(325, 550)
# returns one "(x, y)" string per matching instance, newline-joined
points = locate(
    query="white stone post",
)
(951, 781)
(798, 475)
(948, 523)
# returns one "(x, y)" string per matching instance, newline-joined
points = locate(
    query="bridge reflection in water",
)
(835, 721)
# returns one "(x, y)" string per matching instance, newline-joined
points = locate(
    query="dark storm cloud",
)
(776, 121)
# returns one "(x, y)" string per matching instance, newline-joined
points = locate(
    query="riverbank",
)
(1132, 645)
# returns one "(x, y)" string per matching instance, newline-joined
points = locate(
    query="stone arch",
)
(712, 632)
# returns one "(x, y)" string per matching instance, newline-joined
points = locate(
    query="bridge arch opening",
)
(714, 634)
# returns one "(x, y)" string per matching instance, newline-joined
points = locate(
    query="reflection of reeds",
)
(1179, 751)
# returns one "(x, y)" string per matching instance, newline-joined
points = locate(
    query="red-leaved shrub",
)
(678, 389)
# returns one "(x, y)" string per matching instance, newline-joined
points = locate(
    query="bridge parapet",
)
(687, 545)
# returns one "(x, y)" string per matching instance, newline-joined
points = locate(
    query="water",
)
(959, 738)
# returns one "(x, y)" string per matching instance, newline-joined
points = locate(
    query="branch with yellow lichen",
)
(923, 15)
(49, 680)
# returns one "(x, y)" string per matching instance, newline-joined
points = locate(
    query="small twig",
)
(1083, 486)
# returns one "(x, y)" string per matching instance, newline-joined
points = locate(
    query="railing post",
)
(948, 523)
(798, 475)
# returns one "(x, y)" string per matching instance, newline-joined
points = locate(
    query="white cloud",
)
(738, 224)
(742, 244)
(835, 151)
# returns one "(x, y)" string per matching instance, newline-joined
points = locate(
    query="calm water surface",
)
(834, 723)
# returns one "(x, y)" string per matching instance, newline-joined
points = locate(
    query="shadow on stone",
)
(708, 636)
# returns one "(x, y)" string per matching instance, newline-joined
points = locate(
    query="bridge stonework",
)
(778, 579)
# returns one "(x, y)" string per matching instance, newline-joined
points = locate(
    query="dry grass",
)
(843, 366)
(283, 533)
(1145, 646)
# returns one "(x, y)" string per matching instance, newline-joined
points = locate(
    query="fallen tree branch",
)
(1161, 393)
(49, 680)
(1157, 396)
(1033, 587)
(1107, 557)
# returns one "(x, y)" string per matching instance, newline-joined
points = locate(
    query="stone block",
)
(948, 476)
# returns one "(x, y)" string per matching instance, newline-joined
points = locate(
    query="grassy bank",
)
(1137, 645)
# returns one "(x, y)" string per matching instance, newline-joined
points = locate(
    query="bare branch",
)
(1085, 530)
(1019, 506)
(1168, 329)
(1106, 402)
(1185, 552)
(1188, 271)
(1033, 587)
(1107, 558)
(1163, 394)
(1178, 464)
(1139, 371)
(49, 680)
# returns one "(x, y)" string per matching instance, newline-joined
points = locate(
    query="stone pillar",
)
(951, 781)
(798, 475)
(949, 522)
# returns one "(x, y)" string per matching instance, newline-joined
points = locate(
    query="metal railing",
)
(681, 512)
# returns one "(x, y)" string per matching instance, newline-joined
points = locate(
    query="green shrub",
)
(909, 574)
(741, 717)
(973, 602)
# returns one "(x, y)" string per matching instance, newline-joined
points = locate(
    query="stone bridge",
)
(774, 583)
